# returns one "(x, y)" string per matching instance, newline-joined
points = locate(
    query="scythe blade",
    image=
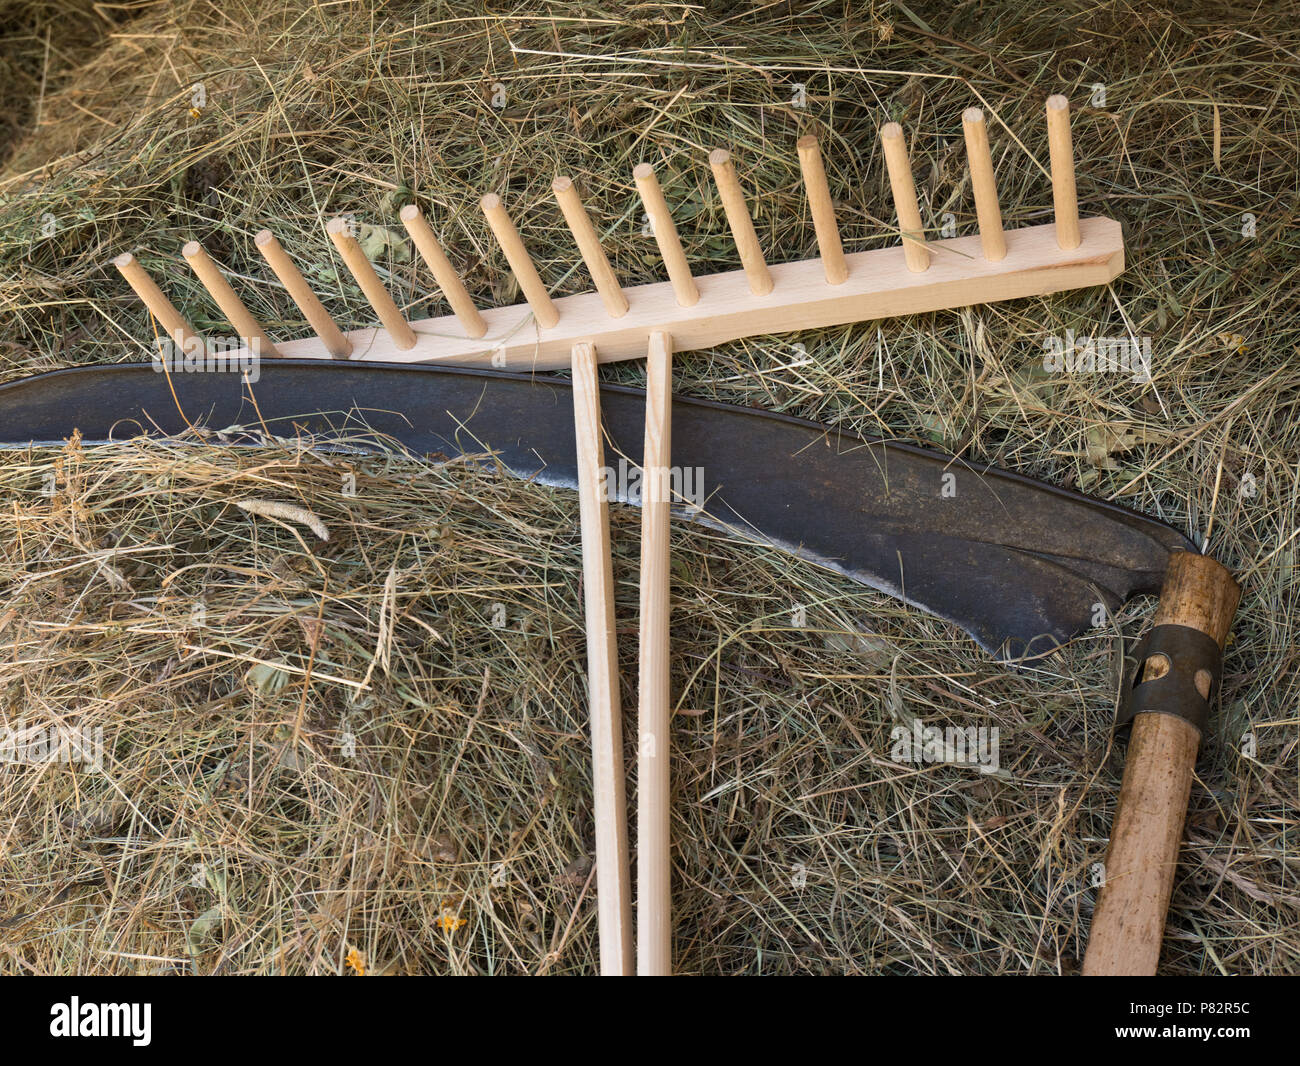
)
(1019, 564)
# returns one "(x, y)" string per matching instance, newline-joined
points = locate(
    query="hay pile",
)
(368, 753)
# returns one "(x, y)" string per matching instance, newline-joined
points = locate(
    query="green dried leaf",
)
(266, 678)
(379, 244)
(202, 929)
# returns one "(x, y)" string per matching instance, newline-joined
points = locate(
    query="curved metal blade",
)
(1017, 563)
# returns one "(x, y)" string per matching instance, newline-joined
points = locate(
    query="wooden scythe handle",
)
(1129, 922)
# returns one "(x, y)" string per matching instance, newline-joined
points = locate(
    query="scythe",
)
(1018, 564)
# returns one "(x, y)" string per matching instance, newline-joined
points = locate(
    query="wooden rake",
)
(684, 313)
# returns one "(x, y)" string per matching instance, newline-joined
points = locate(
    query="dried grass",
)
(237, 830)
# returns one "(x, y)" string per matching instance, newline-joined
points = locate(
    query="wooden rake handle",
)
(1129, 923)
(613, 876)
(654, 932)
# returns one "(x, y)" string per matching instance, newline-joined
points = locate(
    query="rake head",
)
(836, 288)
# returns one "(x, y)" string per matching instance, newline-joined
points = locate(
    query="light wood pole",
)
(589, 246)
(336, 344)
(250, 332)
(1061, 150)
(822, 209)
(915, 253)
(182, 334)
(983, 185)
(521, 263)
(654, 930)
(613, 877)
(742, 226)
(685, 290)
(462, 305)
(355, 260)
